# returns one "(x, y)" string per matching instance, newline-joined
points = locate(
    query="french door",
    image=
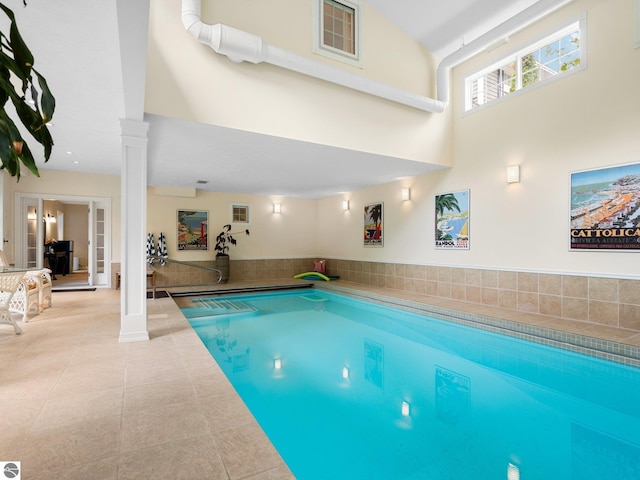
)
(99, 235)
(29, 234)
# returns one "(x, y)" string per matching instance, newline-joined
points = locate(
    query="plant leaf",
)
(5, 146)
(28, 161)
(21, 53)
(48, 100)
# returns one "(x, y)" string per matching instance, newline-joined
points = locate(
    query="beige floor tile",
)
(156, 426)
(246, 451)
(200, 362)
(212, 383)
(225, 411)
(158, 394)
(69, 446)
(19, 416)
(106, 469)
(80, 378)
(83, 407)
(187, 459)
(142, 373)
(19, 389)
(111, 353)
(11, 443)
(278, 473)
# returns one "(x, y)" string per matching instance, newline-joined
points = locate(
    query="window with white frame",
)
(240, 213)
(337, 29)
(536, 64)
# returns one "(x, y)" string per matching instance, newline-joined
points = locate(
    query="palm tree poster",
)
(452, 220)
(373, 230)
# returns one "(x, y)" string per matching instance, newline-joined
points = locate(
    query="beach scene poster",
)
(373, 226)
(605, 208)
(452, 220)
(193, 230)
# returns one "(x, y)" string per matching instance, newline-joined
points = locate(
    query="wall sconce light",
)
(49, 218)
(345, 372)
(277, 364)
(406, 194)
(406, 409)
(513, 174)
(277, 208)
(345, 205)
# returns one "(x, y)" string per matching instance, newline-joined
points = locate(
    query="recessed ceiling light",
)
(69, 152)
(202, 182)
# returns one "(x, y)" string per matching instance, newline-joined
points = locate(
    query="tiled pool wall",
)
(601, 348)
(605, 301)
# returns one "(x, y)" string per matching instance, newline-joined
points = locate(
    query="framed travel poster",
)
(193, 227)
(452, 220)
(605, 209)
(373, 225)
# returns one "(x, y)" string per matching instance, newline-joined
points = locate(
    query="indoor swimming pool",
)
(347, 389)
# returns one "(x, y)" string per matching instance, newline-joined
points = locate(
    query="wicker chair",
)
(43, 278)
(33, 278)
(26, 298)
(9, 282)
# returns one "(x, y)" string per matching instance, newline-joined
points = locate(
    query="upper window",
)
(537, 63)
(239, 213)
(337, 29)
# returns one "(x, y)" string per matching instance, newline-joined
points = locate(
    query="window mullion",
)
(518, 72)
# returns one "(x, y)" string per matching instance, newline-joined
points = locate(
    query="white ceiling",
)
(76, 47)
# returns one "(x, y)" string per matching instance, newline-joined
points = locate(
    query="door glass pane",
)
(32, 241)
(100, 240)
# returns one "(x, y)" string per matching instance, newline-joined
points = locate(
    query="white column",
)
(133, 277)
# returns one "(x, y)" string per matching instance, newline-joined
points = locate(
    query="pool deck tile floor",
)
(77, 404)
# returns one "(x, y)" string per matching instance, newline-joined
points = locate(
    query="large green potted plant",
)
(33, 104)
(224, 240)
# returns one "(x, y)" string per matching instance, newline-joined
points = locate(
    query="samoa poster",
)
(605, 208)
(452, 220)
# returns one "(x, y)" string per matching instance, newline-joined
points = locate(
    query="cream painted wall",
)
(291, 234)
(190, 81)
(589, 119)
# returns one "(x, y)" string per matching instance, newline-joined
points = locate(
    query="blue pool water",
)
(367, 392)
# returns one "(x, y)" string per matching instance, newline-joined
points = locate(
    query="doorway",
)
(69, 235)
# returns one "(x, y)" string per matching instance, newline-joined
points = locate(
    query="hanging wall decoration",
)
(452, 220)
(151, 249)
(193, 230)
(605, 208)
(373, 225)
(162, 249)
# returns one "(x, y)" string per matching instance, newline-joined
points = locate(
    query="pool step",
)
(211, 306)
